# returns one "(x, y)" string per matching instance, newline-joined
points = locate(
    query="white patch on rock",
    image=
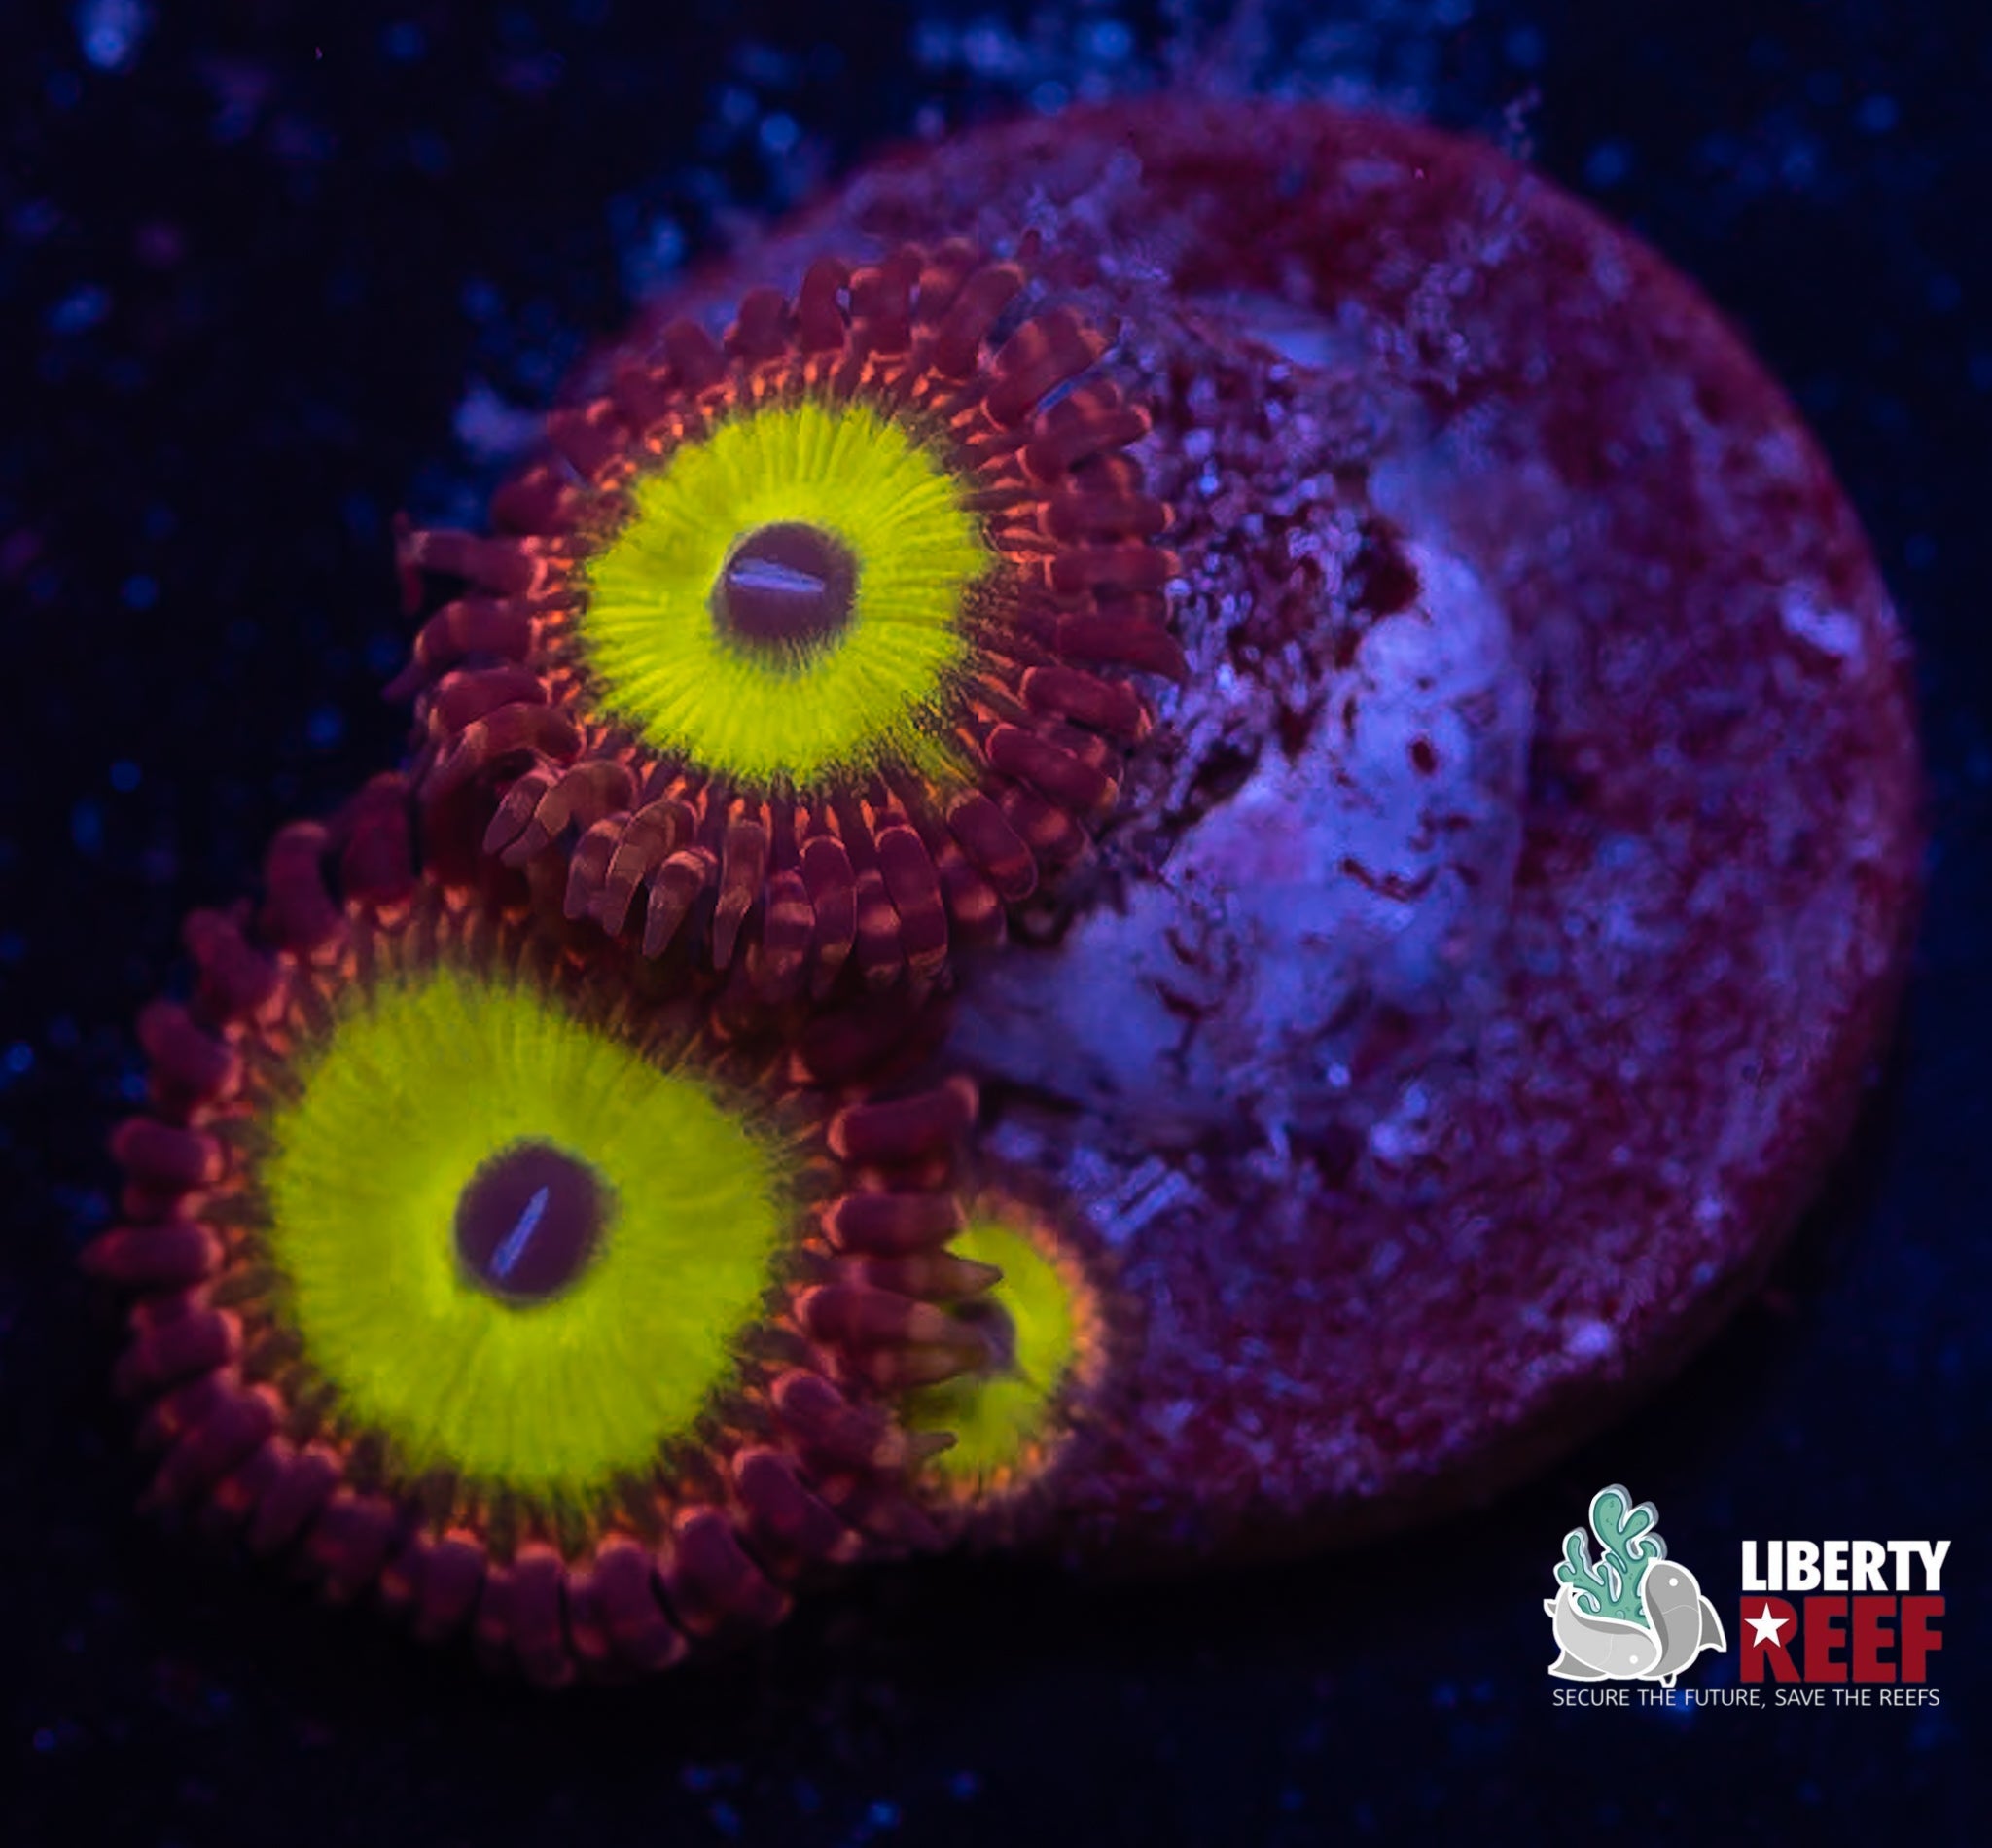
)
(1831, 632)
(1311, 938)
(1587, 1338)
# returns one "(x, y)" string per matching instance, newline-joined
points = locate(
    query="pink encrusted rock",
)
(1483, 962)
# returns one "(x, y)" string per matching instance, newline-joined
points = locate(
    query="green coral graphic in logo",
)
(1628, 1537)
(1630, 1614)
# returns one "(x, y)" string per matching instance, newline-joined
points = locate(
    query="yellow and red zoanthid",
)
(1057, 1335)
(497, 1280)
(816, 640)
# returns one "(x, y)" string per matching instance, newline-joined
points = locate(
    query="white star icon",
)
(1766, 1628)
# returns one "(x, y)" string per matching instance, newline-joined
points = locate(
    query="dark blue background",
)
(257, 256)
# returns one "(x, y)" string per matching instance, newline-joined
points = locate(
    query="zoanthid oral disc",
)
(1017, 1414)
(814, 645)
(490, 1277)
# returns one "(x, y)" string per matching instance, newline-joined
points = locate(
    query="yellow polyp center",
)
(515, 1247)
(786, 605)
(1003, 1417)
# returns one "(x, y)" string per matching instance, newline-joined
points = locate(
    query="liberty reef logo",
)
(1631, 1613)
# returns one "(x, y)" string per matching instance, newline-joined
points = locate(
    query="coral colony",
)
(1178, 839)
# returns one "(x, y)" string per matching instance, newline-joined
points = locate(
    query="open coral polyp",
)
(814, 641)
(491, 1278)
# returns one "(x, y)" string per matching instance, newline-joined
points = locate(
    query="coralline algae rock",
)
(1481, 967)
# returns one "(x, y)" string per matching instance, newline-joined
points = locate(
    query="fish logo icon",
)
(1681, 1618)
(1630, 1613)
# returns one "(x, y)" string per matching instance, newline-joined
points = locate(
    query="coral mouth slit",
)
(818, 646)
(529, 1221)
(997, 1327)
(786, 590)
(501, 1281)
